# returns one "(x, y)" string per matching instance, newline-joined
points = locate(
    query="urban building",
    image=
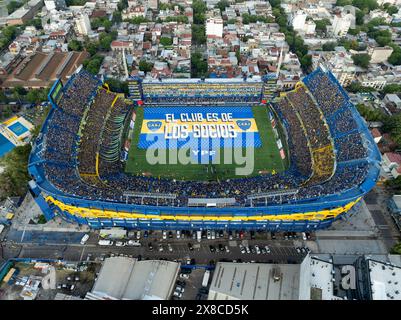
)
(39, 70)
(135, 280)
(25, 13)
(83, 25)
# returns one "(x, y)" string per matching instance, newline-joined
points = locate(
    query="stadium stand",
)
(80, 146)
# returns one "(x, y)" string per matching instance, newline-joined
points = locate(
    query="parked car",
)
(298, 249)
(230, 235)
(209, 235)
(178, 234)
(134, 243)
(212, 249)
(164, 235)
(138, 235)
(221, 234)
(150, 246)
(242, 248)
(84, 239)
(248, 250)
(190, 247)
(170, 235)
(213, 235)
(170, 248)
(227, 250)
(184, 275)
(161, 248)
(267, 249)
(273, 236)
(221, 247)
(304, 236)
(146, 234)
(257, 249)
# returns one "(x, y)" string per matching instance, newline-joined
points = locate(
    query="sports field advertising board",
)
(56, 92)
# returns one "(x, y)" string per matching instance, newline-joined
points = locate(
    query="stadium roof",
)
(259, 281)
(127, 278)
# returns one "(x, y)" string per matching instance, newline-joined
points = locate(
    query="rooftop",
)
(136, 280)
(255, 281)
(385, 280)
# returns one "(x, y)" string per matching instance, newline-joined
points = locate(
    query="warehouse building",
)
(39, 70)
(123, 278)
(260, 281)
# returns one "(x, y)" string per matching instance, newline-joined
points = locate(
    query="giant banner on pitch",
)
(199, 128)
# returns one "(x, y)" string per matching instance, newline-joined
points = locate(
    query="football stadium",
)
(202, 154)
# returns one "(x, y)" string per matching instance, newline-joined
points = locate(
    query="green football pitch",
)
(265, 158)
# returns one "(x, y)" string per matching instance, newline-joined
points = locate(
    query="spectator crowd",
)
(85, 123)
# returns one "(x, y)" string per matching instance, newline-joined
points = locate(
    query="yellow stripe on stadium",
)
(8, 121)
(98, 213)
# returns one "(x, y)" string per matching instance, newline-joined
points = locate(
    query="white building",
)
(214, 27)
(83, 25)
(341, 23)
(55, 5)
(129, 279)
(298, 19)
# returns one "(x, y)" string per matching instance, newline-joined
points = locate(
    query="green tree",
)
(14, 5)
(123, 4)
(75, 2)
(14, 179)
(342, 3)
(137, 20)
(199, 11)
(145, 66)
(359, 15)
(37, 23)
(395, 57)
(166, 41)
(198, 34)
(198, 65)
(222, 5)
(365, 5)
(3, 97)
(392, 88)
(361, 60)
(321, 25)
(117, 17)
(93, 64)
(74, 45)
(329, 46)
(91, 47)
(391, 9)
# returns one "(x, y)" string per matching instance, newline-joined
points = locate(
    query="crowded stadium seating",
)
(317, 117)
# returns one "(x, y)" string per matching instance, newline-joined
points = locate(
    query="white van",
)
(84, 239)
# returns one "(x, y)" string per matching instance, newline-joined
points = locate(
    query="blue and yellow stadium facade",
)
(300, 215)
